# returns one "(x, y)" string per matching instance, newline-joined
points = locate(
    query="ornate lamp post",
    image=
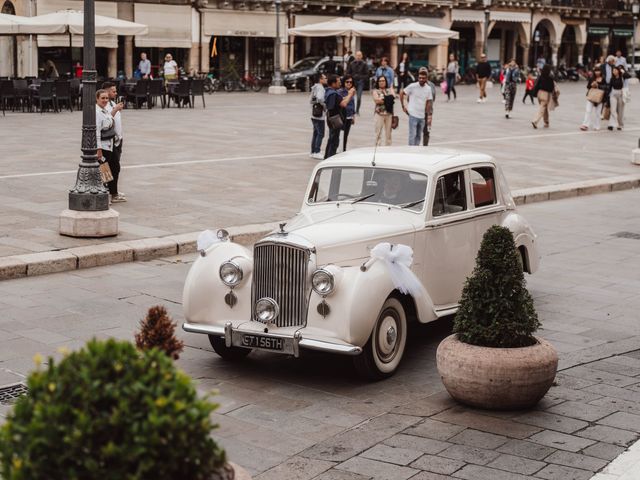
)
(277, 86)
(89, 214)
(487, 12)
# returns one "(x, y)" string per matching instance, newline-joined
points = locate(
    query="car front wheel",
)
(228, 353)
(383, 352)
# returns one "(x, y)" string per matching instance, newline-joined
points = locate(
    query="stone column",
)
(393, 54)
(555, 47)
(525, 54)
(112, 69)
(479, 49)
(191, 64)
(604, 44)
(128, 56)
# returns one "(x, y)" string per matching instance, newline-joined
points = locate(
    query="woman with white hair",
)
(170, 68)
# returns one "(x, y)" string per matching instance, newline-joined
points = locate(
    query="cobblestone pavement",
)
(312, 418)
(244, 159)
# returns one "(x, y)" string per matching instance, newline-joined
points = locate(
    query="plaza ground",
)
(244, 159)
(312, 418)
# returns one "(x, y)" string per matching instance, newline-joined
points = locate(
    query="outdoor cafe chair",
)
(197, 89)
(139, 93)
(181, 92)
(22, 93)
(45, 95)
(156, 89)
(7, 94)
(74, 85)
(63, 93)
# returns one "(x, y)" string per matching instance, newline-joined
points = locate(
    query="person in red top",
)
(529, 90)
(78, 69)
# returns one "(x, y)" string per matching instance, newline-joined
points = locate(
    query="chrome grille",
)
(280, 272)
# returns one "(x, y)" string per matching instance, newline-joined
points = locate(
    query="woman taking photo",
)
(453, 70)
(595, 101)
(544, 89)
(383, 98)
(616, 100)
(105, 136)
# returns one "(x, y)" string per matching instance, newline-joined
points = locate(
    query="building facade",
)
(233, 36)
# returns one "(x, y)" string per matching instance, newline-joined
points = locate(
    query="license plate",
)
(258, 341)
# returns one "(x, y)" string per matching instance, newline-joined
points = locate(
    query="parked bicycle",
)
(211, 83)
(247, 82)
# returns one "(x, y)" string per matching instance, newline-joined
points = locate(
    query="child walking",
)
(529, 90)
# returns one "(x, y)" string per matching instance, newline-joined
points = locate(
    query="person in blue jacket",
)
(349, 112)
(385, 70)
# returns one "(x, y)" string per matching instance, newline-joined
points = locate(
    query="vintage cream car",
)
(314, 284)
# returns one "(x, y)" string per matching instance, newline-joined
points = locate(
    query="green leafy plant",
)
(158, 330)
(110, 412)
(496, 310)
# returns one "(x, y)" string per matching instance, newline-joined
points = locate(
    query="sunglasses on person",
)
(348, 82)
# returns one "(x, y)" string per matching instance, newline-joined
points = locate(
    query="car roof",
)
(429, 160)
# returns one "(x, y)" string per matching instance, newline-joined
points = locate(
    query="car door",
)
(449, 238)
(487, 208)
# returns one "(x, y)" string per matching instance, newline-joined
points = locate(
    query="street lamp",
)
(89, 214)
(277, 86)
(487, 6)
(635, 9)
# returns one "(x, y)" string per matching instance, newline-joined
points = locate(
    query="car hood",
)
(346, 233)
(306, 71)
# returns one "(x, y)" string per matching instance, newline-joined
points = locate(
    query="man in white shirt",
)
(620, 60)
(144, 66)
(419, 97)
(114, 107)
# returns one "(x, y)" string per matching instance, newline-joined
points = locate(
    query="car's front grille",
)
(280, 272)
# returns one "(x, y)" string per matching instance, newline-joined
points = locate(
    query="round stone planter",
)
(496, 378)
(232, 471)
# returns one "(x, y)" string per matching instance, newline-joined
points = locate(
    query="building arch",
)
(8, 46)
(8, 8)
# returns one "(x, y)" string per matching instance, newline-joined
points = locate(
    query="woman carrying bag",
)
(546, 91)
(596, 98)
(384, 98)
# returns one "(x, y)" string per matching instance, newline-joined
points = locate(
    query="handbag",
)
(595, 96)
(105, 172)
(395, 121)
(108, 133)
(317, 110)
(443, 86)
(335, 122)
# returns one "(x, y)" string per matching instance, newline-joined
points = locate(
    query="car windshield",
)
(403, 189)
(304, 64)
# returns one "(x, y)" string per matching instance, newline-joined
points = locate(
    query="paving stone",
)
(576, 460)
(377, 470)
(477, 472)
(433, 429)
(570, 394)
(48, 262)
(396, 455)
(440, 465)
(605, 451)
(623, 420)
(618, 365)
(522, 448)
(474, 438)
(569, 381)
(11, 267)
(351, 442)
(606, 434)
(430, 476)
(559, 472)
(413, 442)
(551, 421)
(616, 392)
(581, 411)
(486, 423)
(600, 376)
(479, 456)
(296, 468)
(618, 403)
(515, 464)
(341, 475)
(561, 441)
(427, 406)
(150, 248)
(102, 254)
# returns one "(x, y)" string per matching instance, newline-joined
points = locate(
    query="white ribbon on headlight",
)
(398, 259)
(206, 239)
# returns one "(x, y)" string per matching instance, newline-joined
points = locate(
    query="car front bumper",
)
(235, 337)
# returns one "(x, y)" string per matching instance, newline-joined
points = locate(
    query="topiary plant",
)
(496, 309)
(158, 330)
(110, 412)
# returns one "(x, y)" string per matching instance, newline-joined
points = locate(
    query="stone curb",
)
(41, 263)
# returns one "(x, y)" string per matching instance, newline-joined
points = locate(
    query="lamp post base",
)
(635, 156)
(274, 90)
(103, 223)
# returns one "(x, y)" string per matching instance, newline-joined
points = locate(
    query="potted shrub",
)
(110, 411)
(493, 360)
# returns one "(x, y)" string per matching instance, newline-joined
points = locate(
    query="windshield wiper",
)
(411, 204)
(360, 199)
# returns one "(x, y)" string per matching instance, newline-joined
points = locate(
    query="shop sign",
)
(599, 30)
(622, 32)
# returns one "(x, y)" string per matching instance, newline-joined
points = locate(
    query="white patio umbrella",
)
(406, 27)
(341, 26)
(16, 25)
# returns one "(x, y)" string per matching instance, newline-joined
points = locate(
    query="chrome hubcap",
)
(388, 337)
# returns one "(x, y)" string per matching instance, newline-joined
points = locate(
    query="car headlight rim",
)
(323, 282)
(266, 310)
(230, 273)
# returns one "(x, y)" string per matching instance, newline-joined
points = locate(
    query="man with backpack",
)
(335, 103)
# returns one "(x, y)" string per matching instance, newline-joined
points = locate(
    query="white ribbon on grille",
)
(398, 259)
(206, 239)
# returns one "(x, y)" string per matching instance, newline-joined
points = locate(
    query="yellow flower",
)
(64, 350)
(17, 463)
(52, 387)
(38, 359)
(161, 402)
(118, 366)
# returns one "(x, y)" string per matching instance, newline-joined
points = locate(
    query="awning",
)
(460, 15)
(108, 9)
(517, 17)
(243, 24)
(169, 25)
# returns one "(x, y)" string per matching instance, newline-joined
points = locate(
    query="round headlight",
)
(322, 282)
(230, 273)
(266, 310)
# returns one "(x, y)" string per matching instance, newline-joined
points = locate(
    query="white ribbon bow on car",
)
(398, 259)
